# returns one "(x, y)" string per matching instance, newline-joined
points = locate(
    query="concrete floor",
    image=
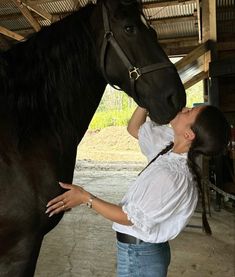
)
(83, 244)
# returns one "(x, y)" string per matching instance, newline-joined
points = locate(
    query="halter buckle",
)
(108, 35)
(134, 73)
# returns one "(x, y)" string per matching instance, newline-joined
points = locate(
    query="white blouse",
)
(163, 198)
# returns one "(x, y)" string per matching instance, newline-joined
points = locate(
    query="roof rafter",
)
(27, 14)
(38, 10)
(198, 13)
(76, 4)
(11, 34)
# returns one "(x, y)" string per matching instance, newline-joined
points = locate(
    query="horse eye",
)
(130, 29)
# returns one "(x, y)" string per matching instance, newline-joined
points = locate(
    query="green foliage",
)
(195, 94)
(116, 107)
(110, 118)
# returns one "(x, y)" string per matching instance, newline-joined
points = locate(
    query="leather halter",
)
(133, 71)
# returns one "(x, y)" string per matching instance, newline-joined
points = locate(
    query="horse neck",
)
(59, 82)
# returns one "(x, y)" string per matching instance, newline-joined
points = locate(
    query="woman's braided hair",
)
(162, 152)
(195, 171)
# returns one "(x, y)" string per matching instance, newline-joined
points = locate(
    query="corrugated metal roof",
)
(225, 3)
(176, 30)
(170, 11)
(58, 6)
(175, 22)
(16, 24)
(171, 19)
(8, 7)
(225, 16)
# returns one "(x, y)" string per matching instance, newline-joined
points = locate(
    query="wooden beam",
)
(212, 18)
(156, 4)
(192, 56)
(199, 20)
(76, 4)
(26, 13)
(172, 19)
(11, 34)
(38, 10)
(197, 78)
(209, 31)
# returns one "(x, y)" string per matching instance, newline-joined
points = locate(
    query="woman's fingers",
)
(56, 199)
(65, 201)
(56, 208)
(62, 196)
(65, 186)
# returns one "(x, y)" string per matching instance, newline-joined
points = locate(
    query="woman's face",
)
(185, 119)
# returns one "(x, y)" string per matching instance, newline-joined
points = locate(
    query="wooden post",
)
(209, 33)
(198, 3)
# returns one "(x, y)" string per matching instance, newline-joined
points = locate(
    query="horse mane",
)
(42, 78)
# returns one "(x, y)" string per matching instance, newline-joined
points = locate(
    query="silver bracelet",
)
(90, 200)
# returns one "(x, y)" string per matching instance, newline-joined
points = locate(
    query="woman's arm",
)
(76, 196)
(137, 119)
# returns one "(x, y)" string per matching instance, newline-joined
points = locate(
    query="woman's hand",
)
(75, 196)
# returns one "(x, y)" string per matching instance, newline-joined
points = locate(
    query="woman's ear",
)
(189, 135)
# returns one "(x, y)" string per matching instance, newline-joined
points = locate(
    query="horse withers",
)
(50, 86)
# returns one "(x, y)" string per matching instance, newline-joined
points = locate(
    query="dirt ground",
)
(83, 244)
(110, 144)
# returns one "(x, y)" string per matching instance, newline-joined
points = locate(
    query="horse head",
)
(132, 59)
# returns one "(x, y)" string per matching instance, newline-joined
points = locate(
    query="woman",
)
(159, 204)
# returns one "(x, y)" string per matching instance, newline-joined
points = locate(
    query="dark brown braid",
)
(195, 171)
(162, 152)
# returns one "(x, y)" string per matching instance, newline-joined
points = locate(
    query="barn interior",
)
(201, 35)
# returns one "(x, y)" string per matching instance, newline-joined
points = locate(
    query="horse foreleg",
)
(21, 259)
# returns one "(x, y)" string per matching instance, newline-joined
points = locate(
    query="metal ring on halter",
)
(134, 73)
(108, 35)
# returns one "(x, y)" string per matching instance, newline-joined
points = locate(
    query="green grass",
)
(108, 118)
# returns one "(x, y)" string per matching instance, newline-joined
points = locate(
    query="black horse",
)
(50, 87)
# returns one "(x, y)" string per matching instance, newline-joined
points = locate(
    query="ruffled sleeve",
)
(153, 138)
(160, 201)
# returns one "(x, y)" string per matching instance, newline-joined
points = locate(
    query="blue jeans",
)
(143, 260)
